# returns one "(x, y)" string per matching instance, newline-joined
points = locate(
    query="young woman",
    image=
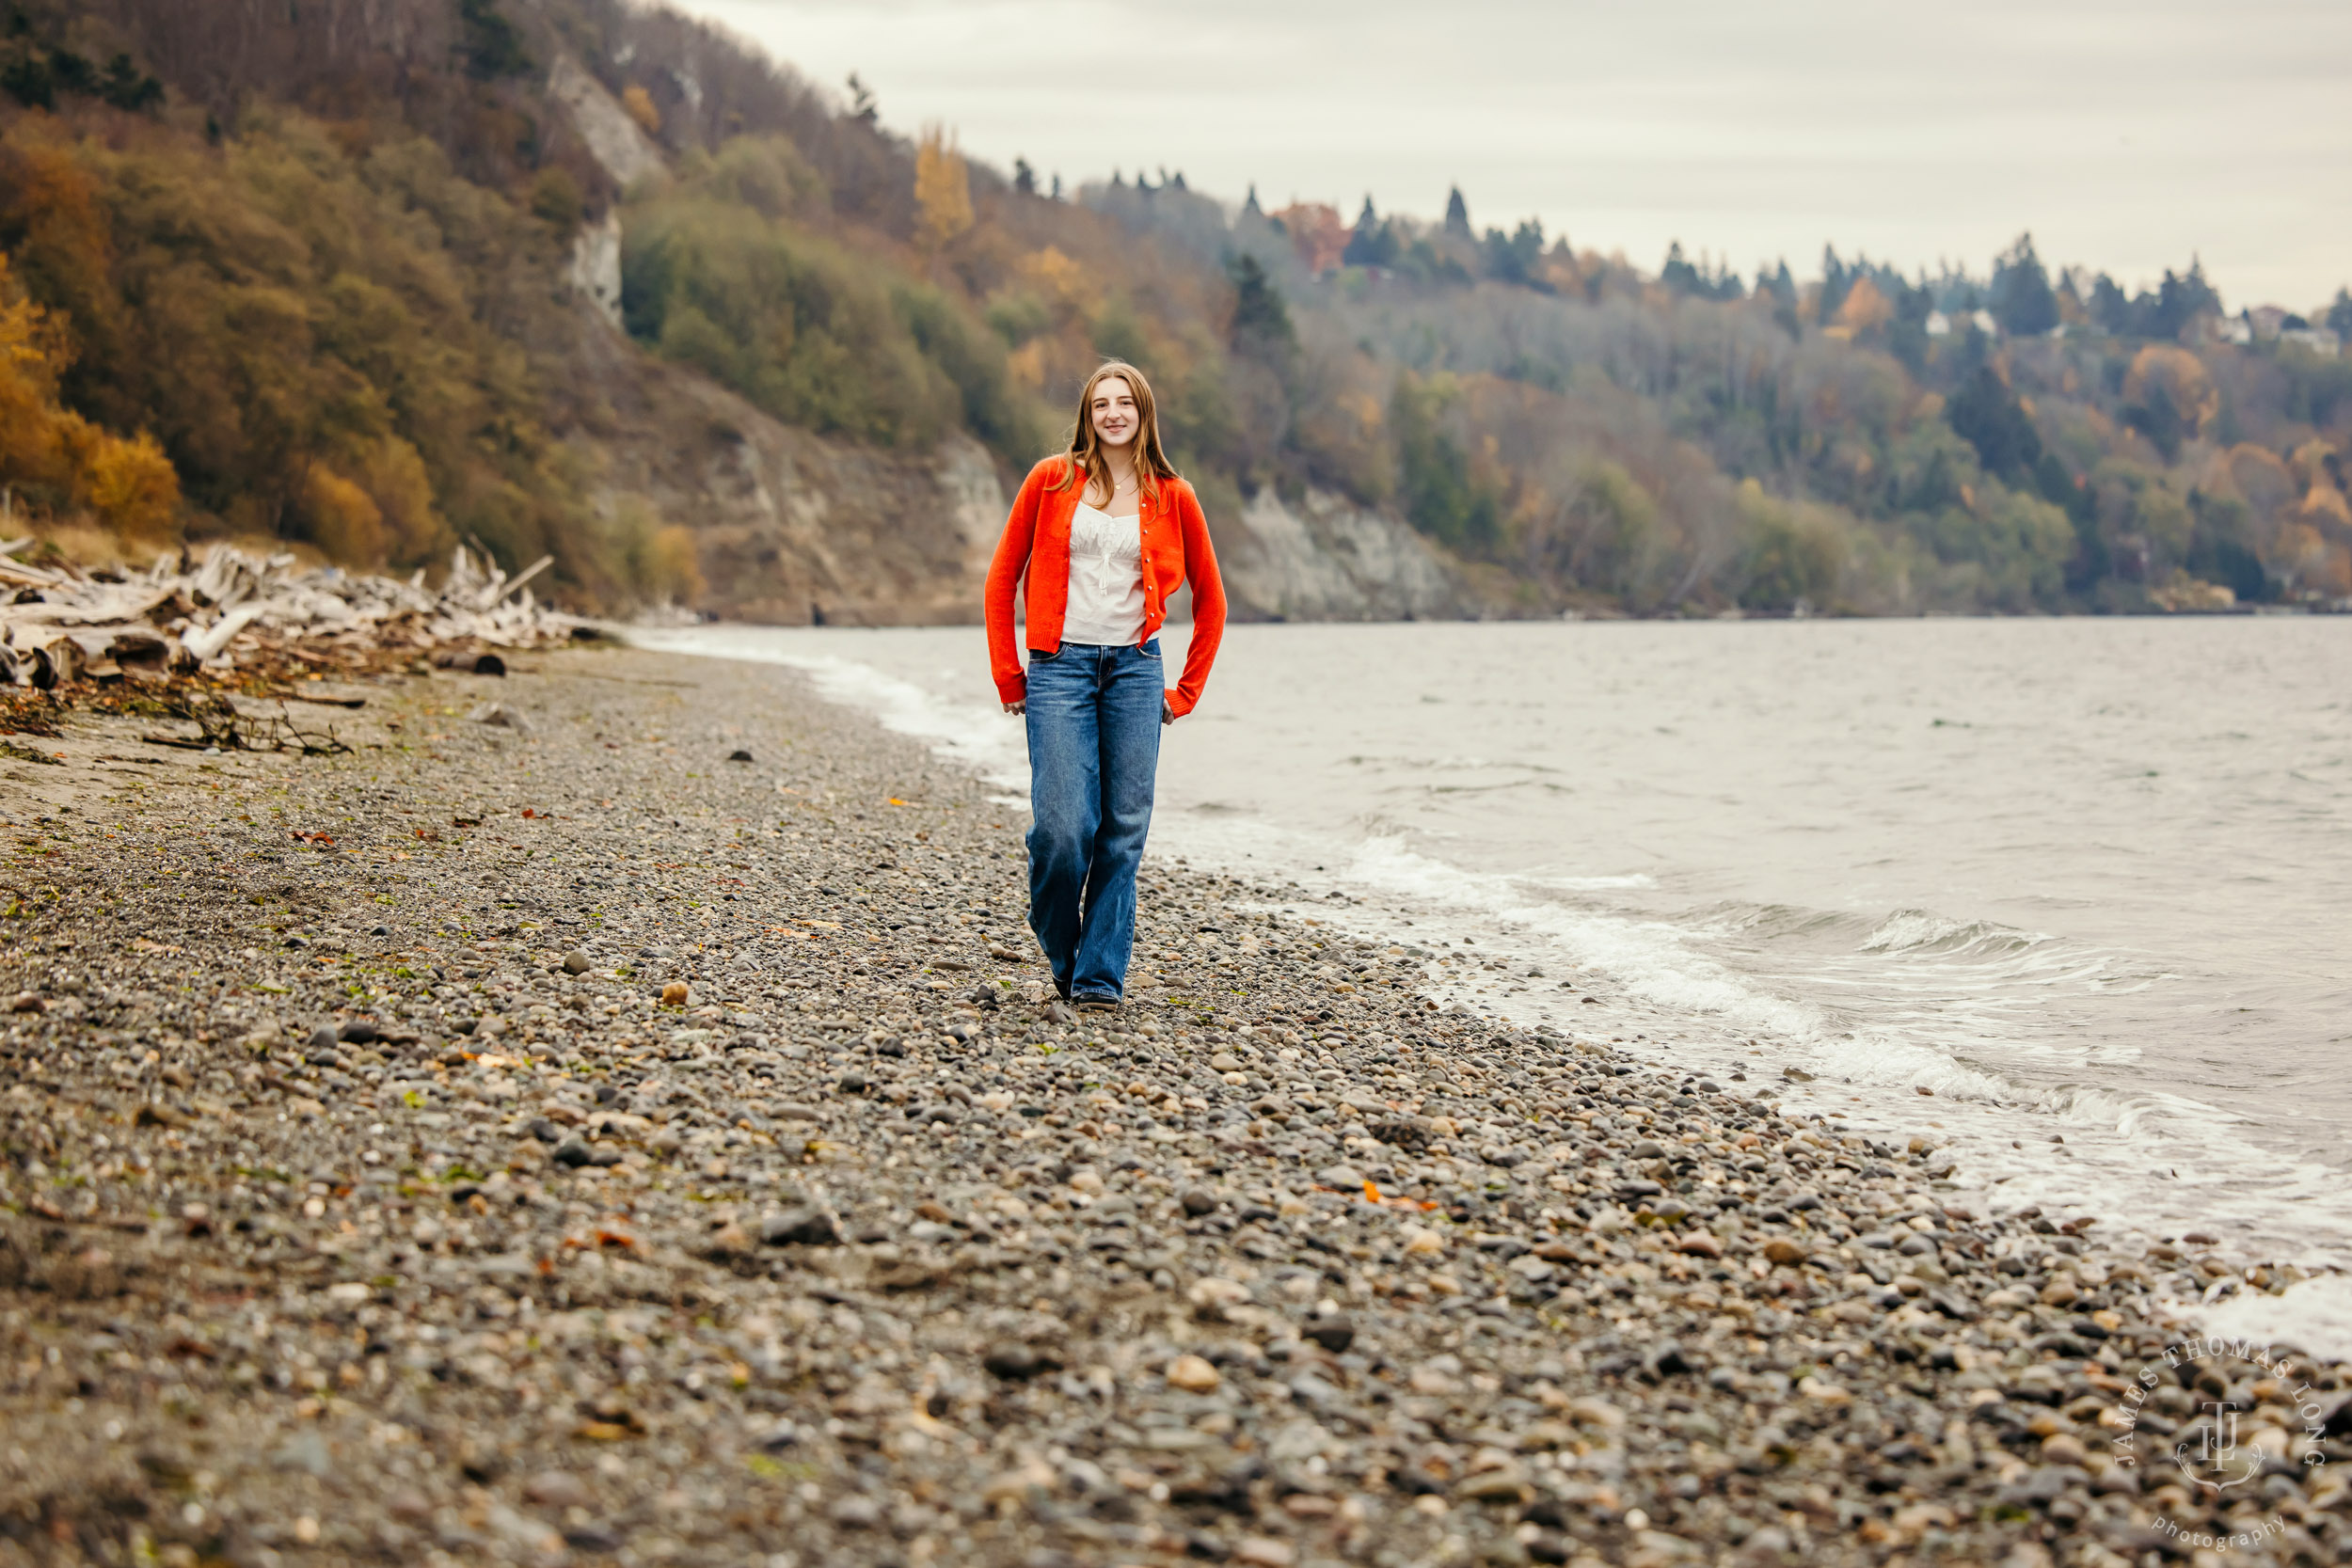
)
(1103, 534)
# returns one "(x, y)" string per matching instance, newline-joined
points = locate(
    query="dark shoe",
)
(1094, 1004)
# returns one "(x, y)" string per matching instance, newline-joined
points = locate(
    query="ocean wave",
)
(1923, 931)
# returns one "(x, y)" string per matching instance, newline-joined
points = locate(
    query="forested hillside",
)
(327, 272)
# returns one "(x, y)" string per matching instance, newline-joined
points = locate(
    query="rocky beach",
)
(613, 1111)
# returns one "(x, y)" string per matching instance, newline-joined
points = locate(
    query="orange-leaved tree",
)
(59, 461)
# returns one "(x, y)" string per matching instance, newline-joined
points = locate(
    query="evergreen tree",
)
(1680, 275)
(1458, 222)
(2181, 300)
(127, 87)
(1250, 208)
(1907, 335)
(2023, 301)
(1987, 415)
(1837, 282)
(1024, 177)
(1511, 258)
(492, 46)
(2110, 306)
(2339, 317)
(1262, 322)
(1372, 244)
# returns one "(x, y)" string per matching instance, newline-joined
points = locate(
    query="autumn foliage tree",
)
(322, 271)
(943, 191)
(53, 457)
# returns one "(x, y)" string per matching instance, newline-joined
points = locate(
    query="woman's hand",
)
(1167, 712)
(1023, 706)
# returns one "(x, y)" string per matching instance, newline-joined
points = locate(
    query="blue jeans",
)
(1094, 746)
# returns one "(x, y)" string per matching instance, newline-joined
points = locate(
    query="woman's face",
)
(1113, 410)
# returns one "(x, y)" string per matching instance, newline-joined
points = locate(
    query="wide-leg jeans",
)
(1094, 749)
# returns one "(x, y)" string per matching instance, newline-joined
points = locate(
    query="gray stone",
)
(803, 1224)
(558, 1490)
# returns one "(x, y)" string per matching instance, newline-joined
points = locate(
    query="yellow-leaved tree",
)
(642, 108)
(58, 460)
(943, 191)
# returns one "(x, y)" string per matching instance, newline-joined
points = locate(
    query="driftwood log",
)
(60, 624)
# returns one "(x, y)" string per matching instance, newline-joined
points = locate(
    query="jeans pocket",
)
(1038, 656)
(1150, 649)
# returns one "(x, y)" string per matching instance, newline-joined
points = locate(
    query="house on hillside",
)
(1939, 325)
(2322, 340)
(2237, 329)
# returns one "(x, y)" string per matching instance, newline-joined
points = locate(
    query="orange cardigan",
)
(1037, 544)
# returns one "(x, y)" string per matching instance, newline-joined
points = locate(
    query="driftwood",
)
(240, 611)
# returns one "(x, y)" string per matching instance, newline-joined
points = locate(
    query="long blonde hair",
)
(1086, 448)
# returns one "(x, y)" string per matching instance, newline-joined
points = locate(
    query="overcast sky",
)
(2125, 135)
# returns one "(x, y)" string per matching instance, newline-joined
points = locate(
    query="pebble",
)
(800, 1225)
(558, 1489)
(1334, 1332)
(1193, 1374)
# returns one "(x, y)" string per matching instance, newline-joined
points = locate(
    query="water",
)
(2084, 880)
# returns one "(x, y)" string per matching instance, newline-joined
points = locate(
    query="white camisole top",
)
(1106, 607)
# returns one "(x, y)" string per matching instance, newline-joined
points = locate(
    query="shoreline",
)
(838, 1262)
(2090, 1112)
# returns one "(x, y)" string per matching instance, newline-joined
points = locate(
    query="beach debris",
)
(235, 611)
